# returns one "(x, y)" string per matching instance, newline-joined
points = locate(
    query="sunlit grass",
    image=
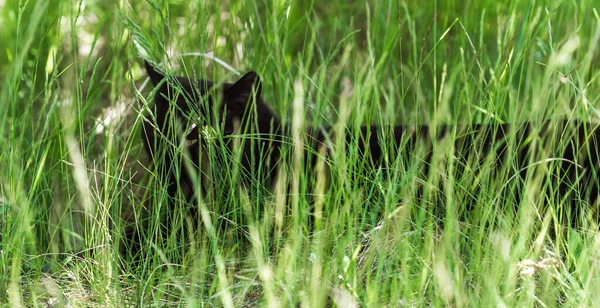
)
(76, 183)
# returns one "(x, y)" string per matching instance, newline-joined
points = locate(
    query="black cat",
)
(184, 108)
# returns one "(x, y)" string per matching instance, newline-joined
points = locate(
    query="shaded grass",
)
(70, 188)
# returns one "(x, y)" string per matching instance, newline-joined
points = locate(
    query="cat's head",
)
(231, 102)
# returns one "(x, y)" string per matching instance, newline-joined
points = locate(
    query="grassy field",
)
(74, 178)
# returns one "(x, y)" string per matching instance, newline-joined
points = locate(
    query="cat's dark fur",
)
(238, 109)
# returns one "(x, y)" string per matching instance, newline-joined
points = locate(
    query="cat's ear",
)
(155, 76)
(241, 91)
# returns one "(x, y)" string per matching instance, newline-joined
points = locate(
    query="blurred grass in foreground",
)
(74, 177)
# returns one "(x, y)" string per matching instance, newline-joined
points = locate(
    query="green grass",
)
(71, 187)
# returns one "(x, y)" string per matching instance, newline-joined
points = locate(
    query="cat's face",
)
(229, 101)
(231, 109)
(201, 102)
